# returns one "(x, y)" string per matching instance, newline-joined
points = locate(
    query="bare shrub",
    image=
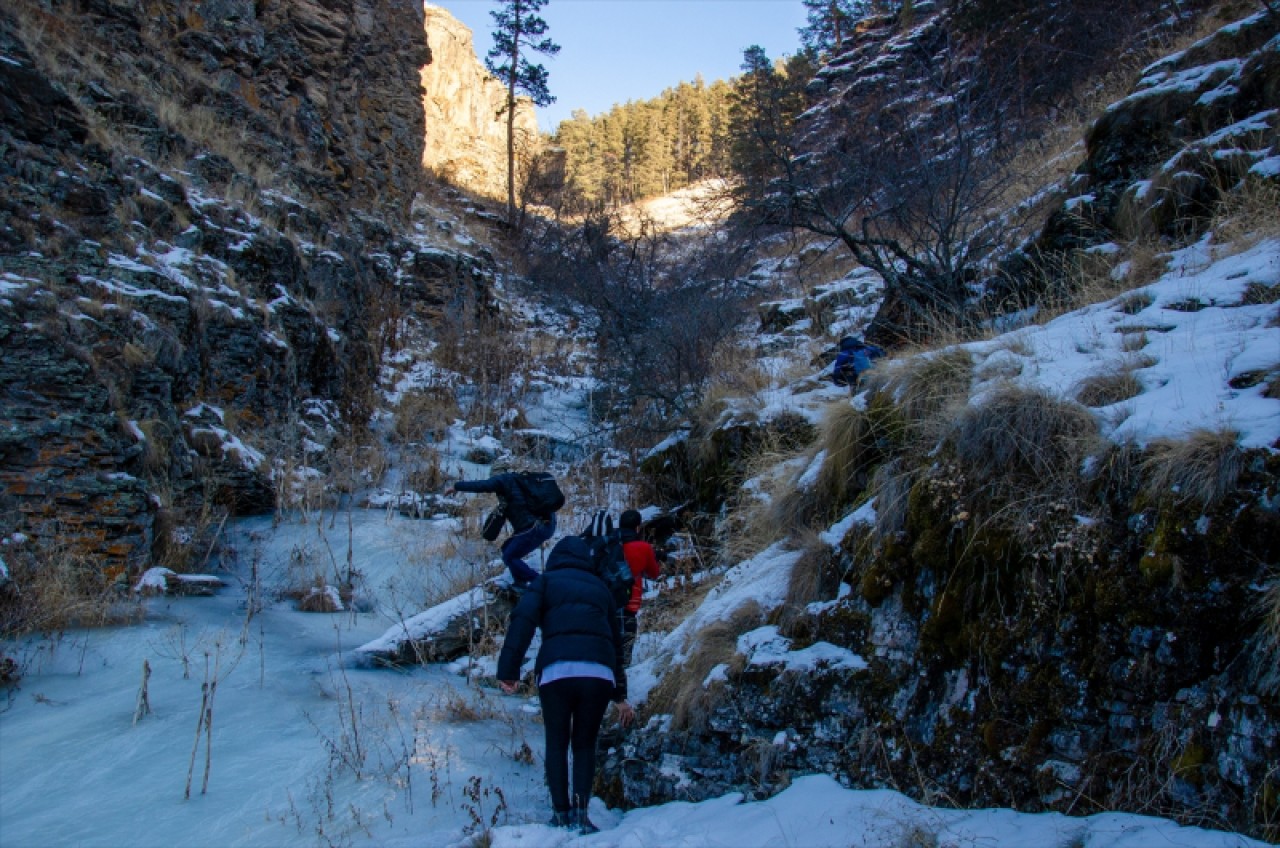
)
(424, 473)
(1025, 434)
(1201, 469)
(736, 372)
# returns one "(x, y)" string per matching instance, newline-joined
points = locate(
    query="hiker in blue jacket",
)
(529, 530)
(852, 359)
(578, 671)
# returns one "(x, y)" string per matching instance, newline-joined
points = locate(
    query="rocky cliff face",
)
(206, 228)
(466, 142)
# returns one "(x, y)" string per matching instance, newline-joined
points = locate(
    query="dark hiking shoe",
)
(566, 819)
(584, 824)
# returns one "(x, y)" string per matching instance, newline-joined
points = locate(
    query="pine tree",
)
(830, 23)
(519, 30)
(764, 104)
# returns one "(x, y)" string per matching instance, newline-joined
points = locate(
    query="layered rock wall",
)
(466, 141)
(202, 242)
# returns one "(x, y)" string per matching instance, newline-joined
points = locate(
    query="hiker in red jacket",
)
(644, 564)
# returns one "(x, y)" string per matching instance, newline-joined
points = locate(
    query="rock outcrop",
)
(466, 141)
(210, 217)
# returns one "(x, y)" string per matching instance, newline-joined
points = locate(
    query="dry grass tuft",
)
(928, 386)
(1266, 656)
(54, 589)
(682, 692)
(770, 506)
(424, 414)
(1246, 214)
(854, 442)
(815, 577)
(1113, 386)
(156, 446)
(1026, 435)
(1203, 468)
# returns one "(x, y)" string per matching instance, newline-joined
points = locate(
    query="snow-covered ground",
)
(307, 748)
(292, 723)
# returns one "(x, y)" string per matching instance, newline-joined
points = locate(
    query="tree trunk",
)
(511, 155)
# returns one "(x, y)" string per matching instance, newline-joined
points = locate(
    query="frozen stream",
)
(290, 723)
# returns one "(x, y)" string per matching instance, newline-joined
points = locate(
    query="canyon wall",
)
(466, 139)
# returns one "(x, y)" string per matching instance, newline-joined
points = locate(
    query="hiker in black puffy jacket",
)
(578, 670)
(528, 531)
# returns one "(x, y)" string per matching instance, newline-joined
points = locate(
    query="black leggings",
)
(572, 709)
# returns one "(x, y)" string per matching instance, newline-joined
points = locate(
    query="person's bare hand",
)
(626, 714)
(508, 686)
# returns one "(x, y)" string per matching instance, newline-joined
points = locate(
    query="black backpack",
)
(611, 566)
(541, 492)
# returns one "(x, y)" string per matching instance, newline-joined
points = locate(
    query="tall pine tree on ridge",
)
(518, 28)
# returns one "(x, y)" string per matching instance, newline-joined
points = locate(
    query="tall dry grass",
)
(814, 577)
(57, 587)
(1247, 213)
(1020, 436)
(684, 692)
(1266, 656)
(1200, 469)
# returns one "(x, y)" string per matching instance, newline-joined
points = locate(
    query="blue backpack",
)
(608, 558)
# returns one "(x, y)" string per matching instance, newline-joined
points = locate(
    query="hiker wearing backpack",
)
(529, 501)
(622, 560)
(578, 671)
(853, 357)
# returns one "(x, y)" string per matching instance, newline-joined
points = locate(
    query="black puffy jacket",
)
(574, 610)
(508, 490)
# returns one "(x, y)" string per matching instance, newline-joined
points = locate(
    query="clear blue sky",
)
(612, 51)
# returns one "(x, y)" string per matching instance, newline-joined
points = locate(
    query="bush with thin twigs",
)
(1201, 468)
(1024, 435)
(735, 372)
(683, 692)
(423, 472)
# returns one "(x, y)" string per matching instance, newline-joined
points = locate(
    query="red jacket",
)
(644, 563)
